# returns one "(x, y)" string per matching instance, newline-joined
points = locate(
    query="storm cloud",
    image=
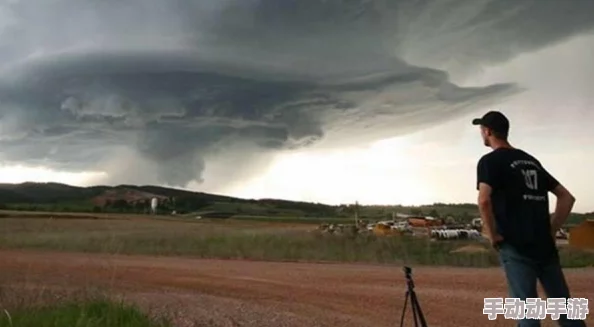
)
(142, 88)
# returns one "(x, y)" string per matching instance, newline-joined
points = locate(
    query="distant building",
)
(424, 222)
(582, 235)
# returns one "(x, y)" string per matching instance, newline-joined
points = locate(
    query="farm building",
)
(582, 235)
(424, 222)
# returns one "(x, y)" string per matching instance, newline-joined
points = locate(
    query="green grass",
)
(31, 306)
(98, 313)
(296, 219)
(244, 240)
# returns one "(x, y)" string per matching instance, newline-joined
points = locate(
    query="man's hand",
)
(495, 240)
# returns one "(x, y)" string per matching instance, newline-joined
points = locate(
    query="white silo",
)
(154, 203)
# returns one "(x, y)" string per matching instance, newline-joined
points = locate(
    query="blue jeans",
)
(522, 273)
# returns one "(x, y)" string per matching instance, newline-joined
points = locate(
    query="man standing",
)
(514, 207)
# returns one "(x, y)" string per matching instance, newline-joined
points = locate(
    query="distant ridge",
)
(52, 192)
(32, 196)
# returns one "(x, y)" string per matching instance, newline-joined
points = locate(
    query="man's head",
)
(494, 127)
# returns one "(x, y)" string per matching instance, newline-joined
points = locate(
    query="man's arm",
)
(487, 179)
(486, 210)
(565, 201)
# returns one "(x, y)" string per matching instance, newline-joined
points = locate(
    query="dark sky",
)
(174, 84)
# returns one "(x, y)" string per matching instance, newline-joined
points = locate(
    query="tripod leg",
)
(417, 306)
(415, 309)
(404, 309)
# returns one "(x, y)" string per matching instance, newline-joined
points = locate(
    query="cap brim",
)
(477, 121)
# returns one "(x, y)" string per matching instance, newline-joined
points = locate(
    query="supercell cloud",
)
(167, 86)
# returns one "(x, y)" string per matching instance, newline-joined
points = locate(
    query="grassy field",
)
(20, 307)
(179, 218)
(240, 239)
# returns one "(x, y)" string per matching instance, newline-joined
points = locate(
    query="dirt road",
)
(241, 293)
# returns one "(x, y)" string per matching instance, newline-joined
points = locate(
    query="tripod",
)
(414, 302)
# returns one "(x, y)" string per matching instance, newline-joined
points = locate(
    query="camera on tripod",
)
(407, 272)
(418, 316)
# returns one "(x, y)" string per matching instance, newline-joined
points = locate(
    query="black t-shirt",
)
(520, 200)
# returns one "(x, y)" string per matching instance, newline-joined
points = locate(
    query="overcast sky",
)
(329, 101)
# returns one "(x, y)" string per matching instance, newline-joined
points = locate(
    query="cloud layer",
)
(168, 86)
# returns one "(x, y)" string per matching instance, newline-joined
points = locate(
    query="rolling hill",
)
(136, 199)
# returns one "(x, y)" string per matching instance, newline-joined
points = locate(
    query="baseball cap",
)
(494, 120)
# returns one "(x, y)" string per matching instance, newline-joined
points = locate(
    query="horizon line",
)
(263, 199)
